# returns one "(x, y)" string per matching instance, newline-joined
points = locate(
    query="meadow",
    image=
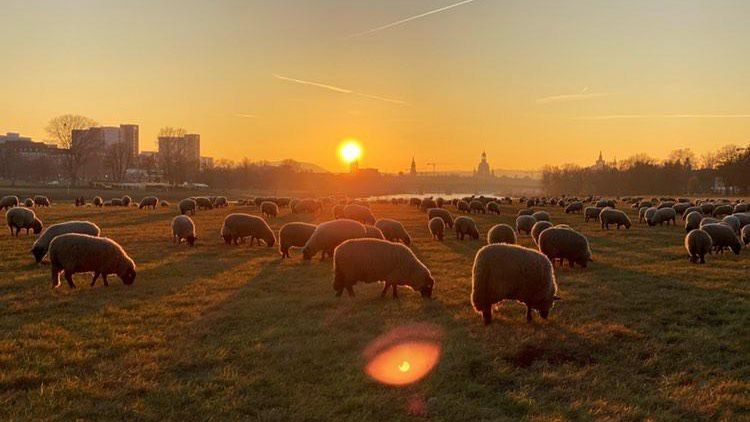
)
(219, 332)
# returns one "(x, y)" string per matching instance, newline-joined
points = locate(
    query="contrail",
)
(246, 115)
(664, 116)
(339, 89)
(583, 95)
(403, 21)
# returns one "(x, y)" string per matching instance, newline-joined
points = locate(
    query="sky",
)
(531, 82)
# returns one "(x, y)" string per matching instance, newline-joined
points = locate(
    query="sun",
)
(350, 151)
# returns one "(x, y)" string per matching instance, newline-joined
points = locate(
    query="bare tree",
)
(60, 129)
(118, 158)
(172, 154)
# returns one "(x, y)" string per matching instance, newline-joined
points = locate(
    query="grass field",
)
(222, 333)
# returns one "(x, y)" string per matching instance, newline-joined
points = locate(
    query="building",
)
(129, 135)
(207, 163)
(413, 169)
(104, 137)
(483, 169)
(600, 164)
(13, 137)
(188, 147)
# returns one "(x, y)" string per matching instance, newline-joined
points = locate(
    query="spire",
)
(600, 156)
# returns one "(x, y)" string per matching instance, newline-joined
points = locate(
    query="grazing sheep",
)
(680, 207)
(565, 243)
(525, 211)
(305, 206)
(40, 247)
(541, 216)
(666, 204)
(444, 214)
(574, 207)
(745, 232)
(28, 203)
(359, 213)
(591, 213)
(512, 272)
(164, 204)
(188, 205)
(744, 218)
(269, 209)
(393, 231)
(338, 211)
(428, 203)
(437, 228)
(8, 202)
(149, 201)
(661, 216)
(642, 213)
(126, 201)
(294, 235)
(463, 206)
(415, 202)
(741, 207)
(732, 221)
(537, 230)
(221, 202)
(689, 210)
(115, 202)
(708, 220)
(524, 223)
(42, 201)
(723, 210)
(698, 243)
(612, 216)
(707, 208)
(204, 203)
(98, 201)
(330, 234)
(238, 226)
(476, 207)
(501, 233)
(373, 232)
(373, 260)
(465, 226)
(723, 237)
(22, 218)
(493, 208)
(80, 253)
(183, 228)
(693, 221)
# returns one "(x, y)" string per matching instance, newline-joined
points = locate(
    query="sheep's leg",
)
(529, 316)
(339, 292)
(703, 259)
(69, 279)
(570, 263)
(104, 278)
(385, 289)
(11, 229)
(350, 291)
(55, 276)
(93, 281)
(487, 314)
(395, 291)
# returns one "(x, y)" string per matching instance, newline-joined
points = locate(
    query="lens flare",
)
(404, 355)
(350, 151)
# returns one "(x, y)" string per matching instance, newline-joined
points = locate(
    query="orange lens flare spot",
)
(350, 151)
(404, 364)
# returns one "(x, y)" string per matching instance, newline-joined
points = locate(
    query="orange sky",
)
(532, 82)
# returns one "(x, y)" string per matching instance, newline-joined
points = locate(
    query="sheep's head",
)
(736, 247)
(270, 240)
(307, 254)
(191, 239)
(38, 252)
(37, 226)
(227, 239)
(128, 277)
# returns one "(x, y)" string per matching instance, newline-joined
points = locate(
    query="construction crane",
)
(434, 166)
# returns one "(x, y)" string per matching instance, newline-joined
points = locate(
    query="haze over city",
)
(440, 80)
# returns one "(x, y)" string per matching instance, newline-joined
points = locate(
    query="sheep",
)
(612, 216)
(493, 208)
(689, 210)
(708, 220)
(373, 232)
(269, 209)
(295, 235)
(8, 202)
(427, 203)
(574, 207)
(22, 218)
(465, 226)
(463, 206)
(359, 213)
(415, 202)
(41, 245)
(591, 213)
(305, 206)
(537, 230)
(220, 202)
(437, 228)
(238, 226)
(126, 201)
(565, 243)
(203, 203)
(393, 231)
(149, 201)
(698, 243)
(338, 211)
(745, 232)
(42, 201)
(512, 272)
(373, 260)
(80, 201)
(476, 207)
(525, 211)
(662, 215)
(732, 221)
(183, 228)
(723, 236)
(81, 253)
(744, 218)
(444, 214)
(722, 210)
(707, 208)
(330, 234)
(98, 201)
(164, 204)
(693, 221)
(642, 213)
(115, 202)
(188, 205)
(524, 223)
(501, 233)
(28, 203)
(541, 216)
(666, 204)
(741, 207)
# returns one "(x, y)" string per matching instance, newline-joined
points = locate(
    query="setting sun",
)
(350, 151)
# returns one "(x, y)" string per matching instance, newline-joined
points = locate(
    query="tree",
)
(60, 129)
(118, 157)
(172, 157)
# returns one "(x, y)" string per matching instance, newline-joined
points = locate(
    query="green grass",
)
(219, 333)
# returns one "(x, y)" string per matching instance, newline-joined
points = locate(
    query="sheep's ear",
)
(556, 298)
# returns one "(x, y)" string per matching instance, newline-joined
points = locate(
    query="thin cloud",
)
(246, 116)
(583, 95)
(339, 89)
(409, 19)
(664, 116)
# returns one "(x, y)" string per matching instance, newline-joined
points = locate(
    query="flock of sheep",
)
(366, 249)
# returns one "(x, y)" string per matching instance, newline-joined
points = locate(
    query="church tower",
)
(413, 169)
